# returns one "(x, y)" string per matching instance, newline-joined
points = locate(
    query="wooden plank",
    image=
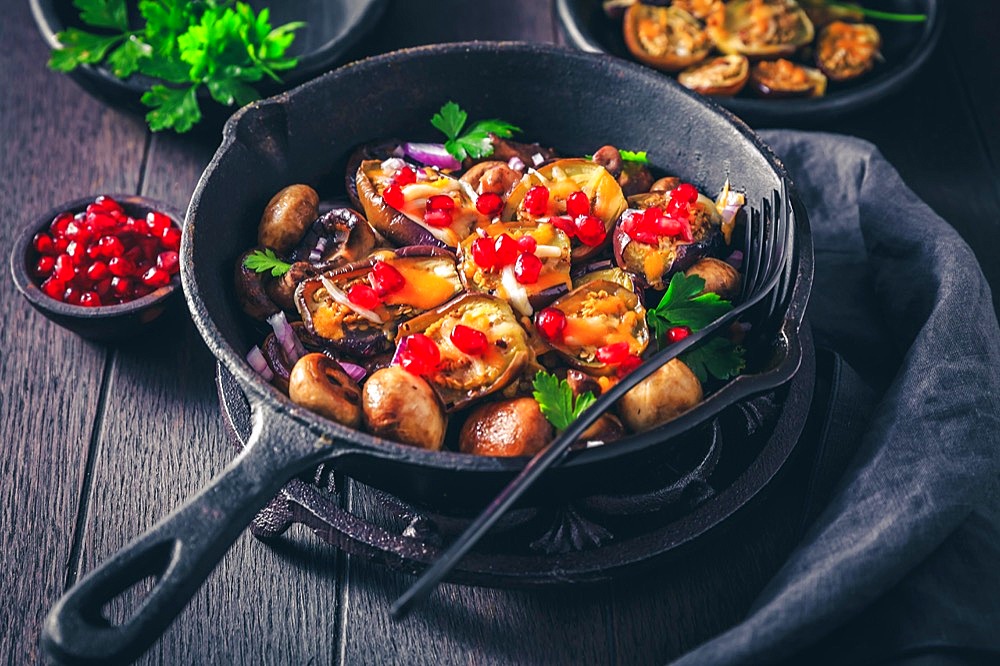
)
(58, 145)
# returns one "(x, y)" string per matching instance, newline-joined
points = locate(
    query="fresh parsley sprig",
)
(265, 260)
(556, 400)
(475, 142)
(637, 156)
(717, 357)
(222, 45)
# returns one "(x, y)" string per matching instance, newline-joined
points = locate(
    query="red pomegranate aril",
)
(678, 208)
(77, 253)
(565, 225)
(60, 244)
(385, 279)
(469, 340)
(54, 288)
(363, 296)
(97, 271)
(104, 202)
(405, 176)
(506, 250)
(103, 288)
(536, 201)
(527, 268)
(110, 246)
(90, 299)
(155, 277)
(484, 253)
(440, 202)
(630, 363)
(527, 243)
(168, 261)
(669, 226)
(44, 267)
(393, 196)
(121, 267)
(551, 322)
(578, 204)
(419, 354)
(42, 243)
(685, 192)
(171, 238)
(489, 204)
(58, 225)
(63, 268)
(678, 333)
(438, 218)
(121, 286)
(72, 295)
(157, 222)
(590, 230)
(613, 354)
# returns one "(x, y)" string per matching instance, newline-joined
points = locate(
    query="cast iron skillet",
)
(905, 46)
(306, 136)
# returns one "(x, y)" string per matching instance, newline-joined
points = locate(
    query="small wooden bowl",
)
(104, 323)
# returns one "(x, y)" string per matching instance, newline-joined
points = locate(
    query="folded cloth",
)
(903, 563)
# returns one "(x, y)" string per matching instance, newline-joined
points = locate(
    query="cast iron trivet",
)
(678, 497)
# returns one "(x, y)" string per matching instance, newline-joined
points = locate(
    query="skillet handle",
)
(179, 551)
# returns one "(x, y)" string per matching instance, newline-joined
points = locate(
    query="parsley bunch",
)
(218, 44)
(556, 400)
(475, 142)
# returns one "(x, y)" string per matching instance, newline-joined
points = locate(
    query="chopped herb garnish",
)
(637, 157)
(717, 357)
(879, 14)
(684, 304)
(265, 260)
(557, 402)
(475, 142)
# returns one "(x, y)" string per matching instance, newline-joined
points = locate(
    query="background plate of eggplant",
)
(814, 61)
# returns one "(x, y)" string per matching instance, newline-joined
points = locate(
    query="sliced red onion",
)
(433, 154)
(400, 346)
(398, 152)
(392, 165)
(356, 372)
(537, 159)
(516, 163)
(735, 259)
(290, 342)
(256, 360)
(317, 252)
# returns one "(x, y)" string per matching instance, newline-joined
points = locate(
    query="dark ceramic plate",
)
(333, 27)
(905, 47)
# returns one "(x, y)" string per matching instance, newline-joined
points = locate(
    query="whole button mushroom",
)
(667, 393)
(319, 383)
(720, 278)
(509, 428)
(400, 406)
(287, 217)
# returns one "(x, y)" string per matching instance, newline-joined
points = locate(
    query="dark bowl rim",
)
(263, 393)
(25, 283)
(813, 109)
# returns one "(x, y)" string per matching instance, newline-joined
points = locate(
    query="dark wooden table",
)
(100, 441)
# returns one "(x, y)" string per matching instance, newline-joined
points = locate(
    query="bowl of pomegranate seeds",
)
(104, 267)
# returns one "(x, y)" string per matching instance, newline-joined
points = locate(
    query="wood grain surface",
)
(101, 441)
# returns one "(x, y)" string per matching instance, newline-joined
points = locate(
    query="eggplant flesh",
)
(760, 28)
(341, 236)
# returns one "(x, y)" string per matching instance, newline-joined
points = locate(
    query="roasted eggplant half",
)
(760, 28)
(847, 50)
(667, 38)
(481, 348)
(357, 309)
(340, 236)
(783, 79)
(723, 76)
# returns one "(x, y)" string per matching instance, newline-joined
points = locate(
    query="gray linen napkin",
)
(903, 564)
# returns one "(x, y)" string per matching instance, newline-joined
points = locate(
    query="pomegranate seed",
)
(100, 222)
(44, 267)
(564, 224)
(469, 340)
(440, 202)
(489, 204)
(54, 288)
(121, 267)
(527, 243)
(171, 238)
(121, 286)
(590, 230)
(419, 354)
(110, 246)
(97, 271)
(90, 299)
(613, 354)
(631, 362)
(678, 208)
(678, 333)
(77, 252)
(634, 223)
(104, 202)
(536, 201)
(156, 278)
(61, 244)
(58, 226)
(78, 232)
(157, 222)
(405, 176)
(669, 226)
(168, 261)
(72, 295)
(484, 253)
(364, 296)
(685, 192)
(506, 250)
(103, 288)
(438, 218)
(578, 204)
(393, 196)
(63, 268)
(135, 254)
(42, 243)
(385, 279)
(527, 268)
(550, 322)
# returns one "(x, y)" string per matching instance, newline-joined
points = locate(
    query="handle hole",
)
(126, 604)
(123, 598)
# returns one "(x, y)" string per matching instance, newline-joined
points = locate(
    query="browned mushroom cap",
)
(287, 216)
(665, 184)
(508, 428)
(670, 391)
(403, 407)
(319, 383)
(282, 290)
(719, 277)
(251, 289)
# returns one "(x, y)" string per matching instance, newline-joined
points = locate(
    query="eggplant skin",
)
(251, 291)
(386, 220)
(381, 151)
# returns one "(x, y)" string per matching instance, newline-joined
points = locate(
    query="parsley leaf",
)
(80, 48)
(450, 119)
(172, 107)
(475, 143)
(717, 357)
(103, 13)
(557, 402)
(683, 304)
(125, 60)
(637, 157)
(265, 260)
